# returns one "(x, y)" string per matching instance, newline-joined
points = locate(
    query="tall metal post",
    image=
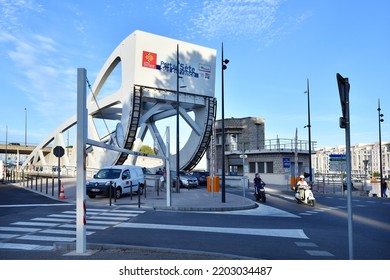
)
(168, 168)
(82, 129)
(380, 120)
(177, 122)
(25, 127)
(344, 86)
(224, 67)
(309, 130)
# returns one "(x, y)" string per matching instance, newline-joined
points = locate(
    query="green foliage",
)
(376, 174)
(146, 150)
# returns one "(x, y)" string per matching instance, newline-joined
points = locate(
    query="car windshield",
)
(108, 174)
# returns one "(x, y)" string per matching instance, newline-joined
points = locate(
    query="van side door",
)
(126, 181)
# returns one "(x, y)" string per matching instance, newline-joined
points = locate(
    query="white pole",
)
(168, 169)
(82, 129)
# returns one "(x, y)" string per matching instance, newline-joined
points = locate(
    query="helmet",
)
(302, 177)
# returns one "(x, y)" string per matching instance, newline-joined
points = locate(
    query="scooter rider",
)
(302, 186)
(258, 182)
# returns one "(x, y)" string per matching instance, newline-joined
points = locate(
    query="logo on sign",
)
(149, 59)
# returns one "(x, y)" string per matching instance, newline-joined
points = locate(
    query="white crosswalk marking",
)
(6, 236)
(288, 233)
(47, 238)
(18, 229)
(21, 246)
(59, 227)
(35, 224)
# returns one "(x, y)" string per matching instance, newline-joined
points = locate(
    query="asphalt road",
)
(277, 230)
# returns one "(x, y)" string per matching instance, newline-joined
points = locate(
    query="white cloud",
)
(44, 81)
(12, 10)
(224, 18)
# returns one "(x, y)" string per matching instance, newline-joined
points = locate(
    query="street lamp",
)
(380, 120)
(309, 129)
(25, 126)
(224, 67)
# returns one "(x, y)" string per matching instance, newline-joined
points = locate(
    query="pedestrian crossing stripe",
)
(59, 228)
(22, 246)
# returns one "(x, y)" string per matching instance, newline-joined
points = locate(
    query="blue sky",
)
(273, 46)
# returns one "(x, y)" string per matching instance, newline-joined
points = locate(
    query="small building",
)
(247, 152)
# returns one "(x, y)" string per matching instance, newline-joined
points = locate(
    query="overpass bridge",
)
(15, 149)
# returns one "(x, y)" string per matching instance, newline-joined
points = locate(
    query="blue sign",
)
(286, 163)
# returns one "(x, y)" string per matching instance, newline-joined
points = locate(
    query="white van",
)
(126, 179)
(2, 171)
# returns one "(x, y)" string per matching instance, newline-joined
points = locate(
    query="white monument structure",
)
(145, 65)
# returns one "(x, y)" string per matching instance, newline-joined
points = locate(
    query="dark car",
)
(201, 176)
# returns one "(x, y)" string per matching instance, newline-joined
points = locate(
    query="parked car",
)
(126, 178)
(201, 176)
(186, 180)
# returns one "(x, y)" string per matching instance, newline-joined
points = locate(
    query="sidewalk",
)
(194, 199)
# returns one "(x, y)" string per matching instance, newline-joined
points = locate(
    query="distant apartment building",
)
(364, 159)
(247, 152)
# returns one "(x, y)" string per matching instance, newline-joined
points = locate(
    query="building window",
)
(260, 167)
(252, 167)
(270, 167)
(265, 167)
(233, 141)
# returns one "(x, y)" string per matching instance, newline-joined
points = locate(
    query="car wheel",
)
(118, 193)
(91, 196)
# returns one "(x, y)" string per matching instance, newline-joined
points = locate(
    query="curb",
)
(68, 249)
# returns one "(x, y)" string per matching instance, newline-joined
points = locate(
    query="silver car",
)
(186, 180)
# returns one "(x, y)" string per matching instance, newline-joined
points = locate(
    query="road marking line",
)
(108, 218)
(19, 246)
(62, 216)
(319, 253)
(87, 226)
(47, 238)
(128, 211)
(53, 220)
(7, 236)
(20, 229)
(61, 231)
(33, 205)
(102, 222)
(117, 215)
(35, 224)
(290, 233)
(262, 210)
(306, 244)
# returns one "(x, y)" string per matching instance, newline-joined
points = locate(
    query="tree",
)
(146, 150)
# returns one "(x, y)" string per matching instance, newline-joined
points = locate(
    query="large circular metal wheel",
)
(137, 111)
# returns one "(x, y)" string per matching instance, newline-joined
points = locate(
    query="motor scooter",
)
(308, 197)
(260, 193)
